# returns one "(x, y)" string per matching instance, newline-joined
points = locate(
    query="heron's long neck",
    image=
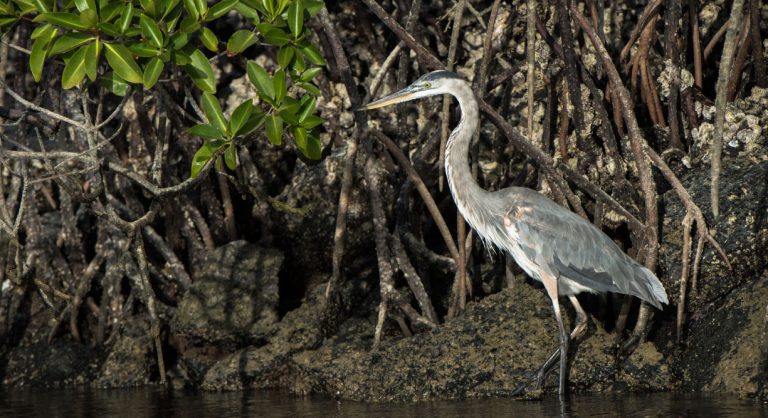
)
(467, 194)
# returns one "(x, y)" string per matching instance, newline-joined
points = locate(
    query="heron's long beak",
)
(401, 96)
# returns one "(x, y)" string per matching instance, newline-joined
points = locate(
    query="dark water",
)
(52, 403)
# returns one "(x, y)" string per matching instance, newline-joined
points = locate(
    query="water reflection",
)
(153, 402)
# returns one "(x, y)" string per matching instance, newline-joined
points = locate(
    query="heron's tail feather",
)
(650, 288)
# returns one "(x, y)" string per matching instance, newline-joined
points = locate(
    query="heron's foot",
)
(628, 346)
(533, 387)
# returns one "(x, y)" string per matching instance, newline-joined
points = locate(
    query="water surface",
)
(157, 402)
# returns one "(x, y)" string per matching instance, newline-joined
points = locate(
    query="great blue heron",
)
(552, 244)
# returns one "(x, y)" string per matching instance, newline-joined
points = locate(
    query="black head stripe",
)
(440, 74)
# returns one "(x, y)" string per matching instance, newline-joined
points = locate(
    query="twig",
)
(739, 61)
(672, 54)
(649, 11)
(423, 191)
(332, 296)
(530, 57)
(687, 224)
(376, 82)
(413, 279)
(724, 72)
(458, 13)
(715, 39)
(142, 283)
(571, 67)
(637, 143)
(693, 16)
(758, 59)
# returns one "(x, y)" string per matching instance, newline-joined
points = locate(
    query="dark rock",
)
(726, 349)
(489, 350)
(40, 364)
(742, 231)
(233, 300)
(131, 359)
(305, 224)
(267, 366)
(36, 362)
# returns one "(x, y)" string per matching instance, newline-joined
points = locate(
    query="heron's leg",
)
(581, 318)
(578, 330)
(550, 284)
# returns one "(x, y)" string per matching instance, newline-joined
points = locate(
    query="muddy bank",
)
(489, 350)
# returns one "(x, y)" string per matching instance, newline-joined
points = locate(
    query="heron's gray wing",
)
(576, 249)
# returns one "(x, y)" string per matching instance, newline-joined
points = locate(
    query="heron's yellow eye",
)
(427, 85)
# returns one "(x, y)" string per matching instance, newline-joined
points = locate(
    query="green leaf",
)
(312, 54)
(240, 41)
(276, 37)
(220, 9)
(121, 60)
(314, 148)
(172, 18)
(114, 83)
(281, 4)
(202, 6)
(68, 42)
(274, 128)
(300, 135)
(110, 29)
(307, 109)
(65, 20)
(201, 158)
(209, 39)
(85, 5)
(310, 73)
(110, 11)
(247, 11)
(179, 40)
(180, 58)
(230, 157)
(298, 63)
(170, 9)
(151, 31)
(42, 6)
(310, 88)
(149, 6)
(40, 31)
(212, 110)
(254, 122)
(89, 18)
(191, 7)
(204, 130)
(39, 50)
(92, 59)
(269, 7)
(311, 121)
(284, 56)
(74, 70)
(141, 49)
(201, 72)
(290, 105)
(152, 72)
(289, 117)
(6, 21)
(296, 18)
(189, 24)
(313, 6)
(240, 116)
(281, 89)
(260, 79)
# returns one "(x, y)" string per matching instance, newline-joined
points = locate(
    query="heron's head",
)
(431, 84)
